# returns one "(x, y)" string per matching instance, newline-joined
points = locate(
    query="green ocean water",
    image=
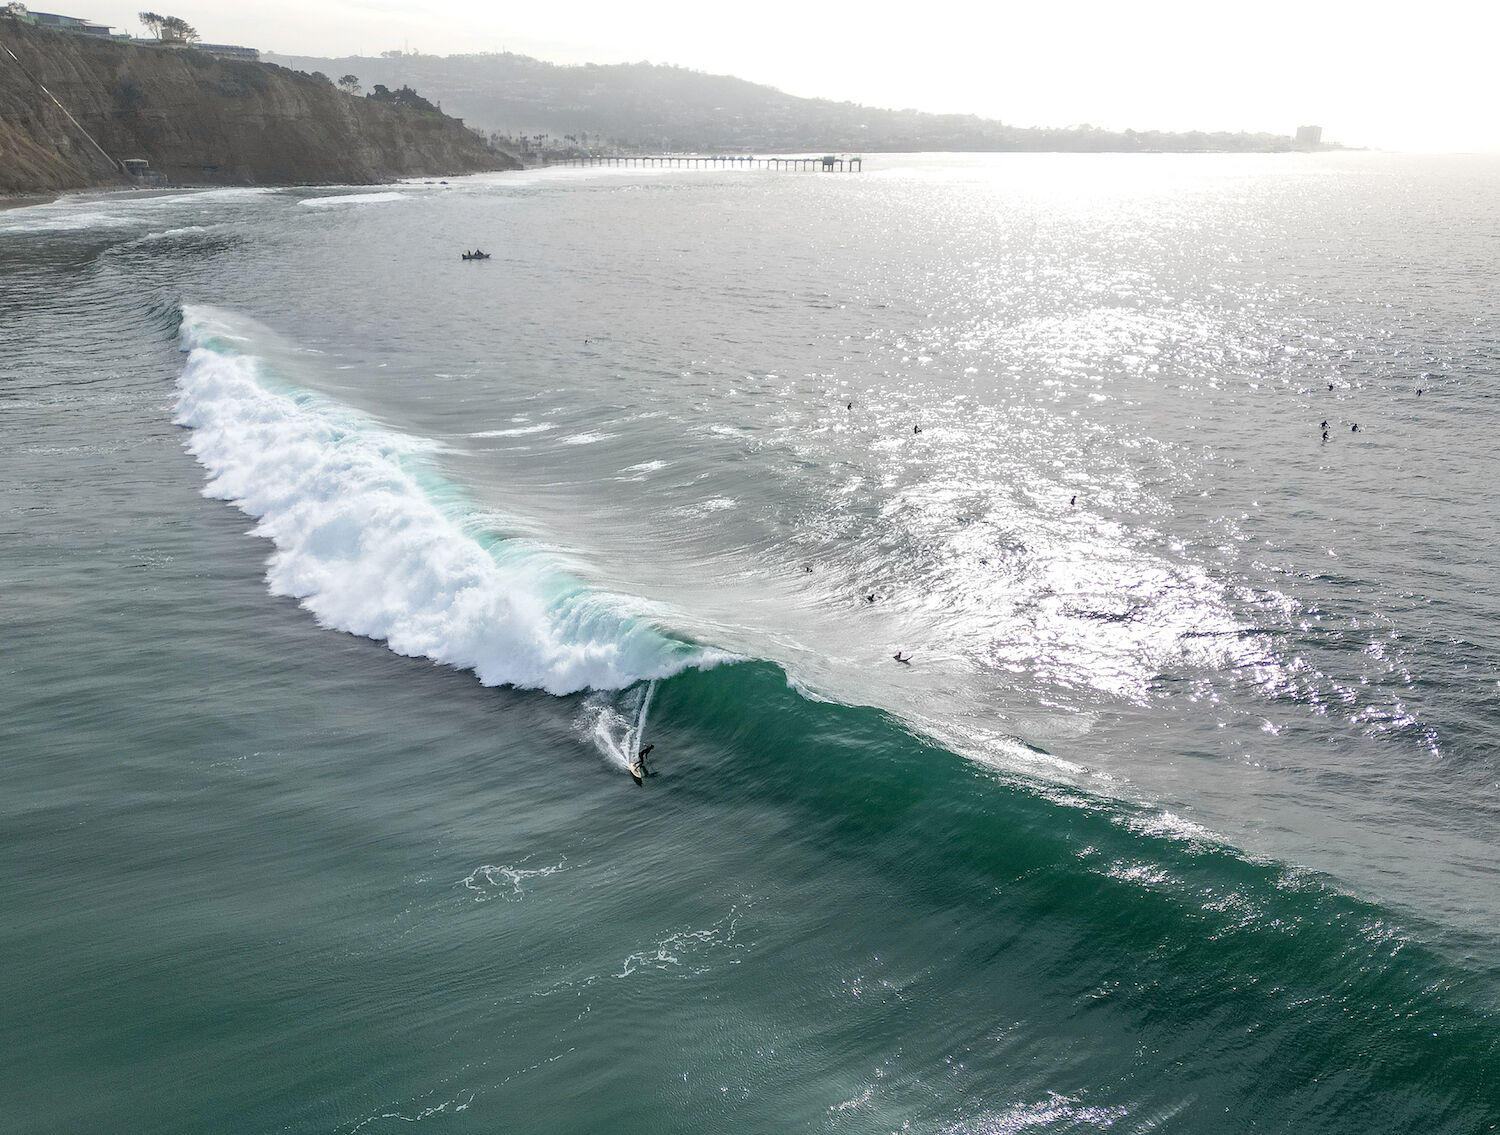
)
(338, 571)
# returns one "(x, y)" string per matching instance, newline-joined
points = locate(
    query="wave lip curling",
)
(364, 544)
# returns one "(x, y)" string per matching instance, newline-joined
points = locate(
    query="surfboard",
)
(635, 771)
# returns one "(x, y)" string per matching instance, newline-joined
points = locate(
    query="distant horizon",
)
(1413, 85)
(414, 54)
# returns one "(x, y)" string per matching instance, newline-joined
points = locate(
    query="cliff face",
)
(203, 121)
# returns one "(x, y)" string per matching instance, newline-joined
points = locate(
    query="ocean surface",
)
(343, 576)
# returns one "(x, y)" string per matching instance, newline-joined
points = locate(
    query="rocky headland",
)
(198, 120)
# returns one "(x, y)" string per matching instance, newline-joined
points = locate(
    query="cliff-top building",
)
(74, 24)
(79, 26)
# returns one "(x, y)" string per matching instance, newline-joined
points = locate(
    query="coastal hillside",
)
(651, 106)
(198, 120)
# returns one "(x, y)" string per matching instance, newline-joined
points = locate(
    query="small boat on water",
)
(476, 255)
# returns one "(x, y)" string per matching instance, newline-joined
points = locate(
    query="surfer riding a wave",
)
(638, 769)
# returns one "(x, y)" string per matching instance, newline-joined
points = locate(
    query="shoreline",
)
(22, 200)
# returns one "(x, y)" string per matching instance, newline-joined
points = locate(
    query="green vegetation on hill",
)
(403, 97)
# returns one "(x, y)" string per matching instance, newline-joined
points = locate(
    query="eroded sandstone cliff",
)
(202, 121)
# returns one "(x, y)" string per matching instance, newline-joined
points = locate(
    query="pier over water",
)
(828, 163)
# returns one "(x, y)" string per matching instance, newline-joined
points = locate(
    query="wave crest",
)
(371, 541)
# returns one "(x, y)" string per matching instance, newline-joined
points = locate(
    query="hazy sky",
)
(1407, 75)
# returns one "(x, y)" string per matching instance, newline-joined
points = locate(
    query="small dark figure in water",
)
(1419, 392)
(851, 405)
(1330, 386)
(898, 658)
(640, 759)
(1325, 425)
(916, 429)
(1354, 429)
(1325, 435)
(1073, 499)
(870, 598)
(807, 567)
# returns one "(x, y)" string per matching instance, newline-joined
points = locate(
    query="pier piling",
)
(828, 163)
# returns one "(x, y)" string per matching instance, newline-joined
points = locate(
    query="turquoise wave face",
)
(1173, 977)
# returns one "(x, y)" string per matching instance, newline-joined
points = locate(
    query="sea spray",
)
(369, 538)
(616, 722)
(638, 735)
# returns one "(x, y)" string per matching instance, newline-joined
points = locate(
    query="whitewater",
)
(364, 544)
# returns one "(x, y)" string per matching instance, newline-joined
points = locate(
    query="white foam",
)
(369, 541)
(232, 193)
(174, 234)
(616, 723)
(588, 437)
(111, 210)
(352, 199)
(506, 881)
(518, 431)
(46, 218)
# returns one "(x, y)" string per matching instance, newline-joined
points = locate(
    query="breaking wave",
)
(370, 539)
